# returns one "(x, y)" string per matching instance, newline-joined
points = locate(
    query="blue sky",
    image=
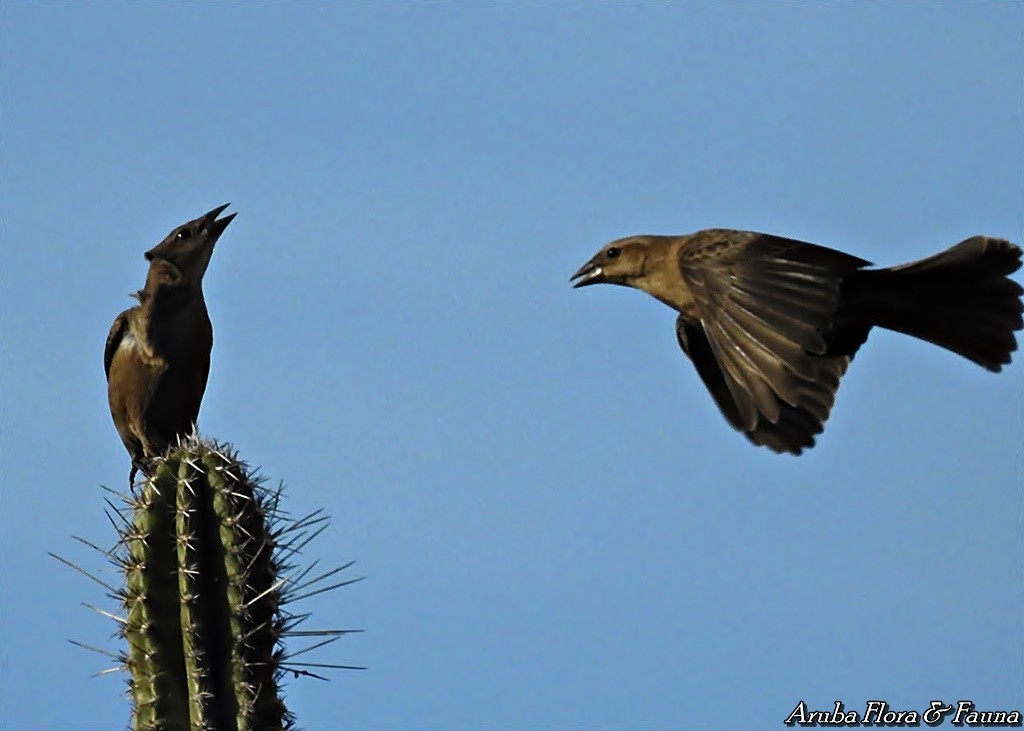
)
(559, 530)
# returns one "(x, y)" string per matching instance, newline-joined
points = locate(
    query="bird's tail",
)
(961, 299)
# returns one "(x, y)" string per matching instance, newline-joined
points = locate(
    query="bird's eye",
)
(185, 233)
(613, 252)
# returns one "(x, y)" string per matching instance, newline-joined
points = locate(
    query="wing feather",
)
(765, 307)
(114, 337)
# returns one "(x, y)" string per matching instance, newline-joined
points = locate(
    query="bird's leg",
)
(139, 464)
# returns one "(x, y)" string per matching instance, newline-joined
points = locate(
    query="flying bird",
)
(771, 324)
(157, 356)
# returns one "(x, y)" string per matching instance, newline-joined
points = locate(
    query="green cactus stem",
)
(205, 551)
(202, 596)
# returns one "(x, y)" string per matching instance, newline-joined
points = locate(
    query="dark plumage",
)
(157, 356)
(771, 324)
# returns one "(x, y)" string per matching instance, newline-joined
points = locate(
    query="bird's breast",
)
(138, 348)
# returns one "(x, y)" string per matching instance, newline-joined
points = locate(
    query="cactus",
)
(205, 550)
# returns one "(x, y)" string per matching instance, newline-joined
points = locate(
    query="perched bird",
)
(771, 324)
(157, 357)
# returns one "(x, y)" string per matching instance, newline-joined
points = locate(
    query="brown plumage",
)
(157, 356)
(771, 324)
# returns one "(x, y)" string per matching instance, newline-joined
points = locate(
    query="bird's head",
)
(190, 246)
(623, 261)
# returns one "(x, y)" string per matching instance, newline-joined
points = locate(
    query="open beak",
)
(211, 223)
(589, 273)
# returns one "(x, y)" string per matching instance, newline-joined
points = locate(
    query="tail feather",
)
(961, 299)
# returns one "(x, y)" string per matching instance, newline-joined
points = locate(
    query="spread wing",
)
(794, 427)
(765, 307)
(114, 337)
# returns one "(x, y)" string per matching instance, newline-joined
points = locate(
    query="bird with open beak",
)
(157, 355)
(771, 324)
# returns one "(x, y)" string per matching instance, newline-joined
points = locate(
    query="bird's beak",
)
(589, 273)
(211, 223)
